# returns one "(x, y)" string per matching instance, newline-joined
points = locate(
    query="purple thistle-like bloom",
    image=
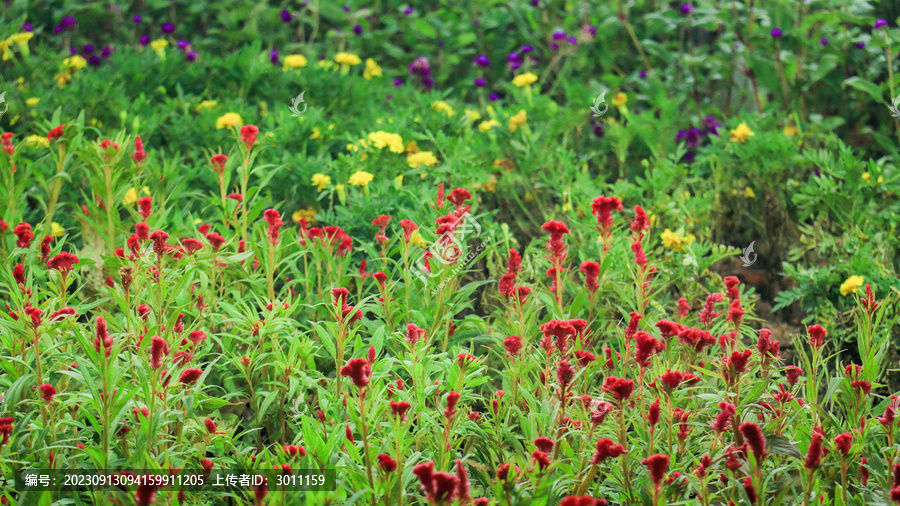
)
(107, 50)
(482, 61)
(408, 11)
(94, 61)
(57, 29)
(860, 45)
(643, 74)
(428, 82)
(27, 27)
(183, 44)
(73, 51)
(69, 23)
(346, 8)
(526, 49)
(588, 32)
(824, 41)
(168, 28)
(286, 16)
(712, 126)
(420, 66)
(559, 35)
(687, 8)
(514, 61)
(191, 56)
(137, 19)
(357, 30)
(535, 3)
(776, 33)
(273, 55)
(145, 39)
(88, 49)
(880, 23)
(398, 83)
(572, 40)
(479, 82)
(493, 97)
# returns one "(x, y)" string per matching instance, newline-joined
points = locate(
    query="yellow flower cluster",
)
(426, 158)
(21, 39)
(851, 285)
(206, 104)
(620, 99)
(382, 139)
(485, 126)
(444, 107)
(229, 120)
(361, 178)
(37, 140)
(372, 69)
(294, 61)
(347, 59)
(676, 242)
(517, 120)
(321, 181)
(309, 213)
(524, 80)
(741, 133)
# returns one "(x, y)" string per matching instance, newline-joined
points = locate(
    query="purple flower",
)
(824, 41)
(420, 66)
(597, 128)
(880, 23)
(476, 22)
(479, 83)
(687, 8)
(534, 3)
(69, 23)
(357, 30)
(107, 49)
(643, 74)
(273, 55)
(572, 40)
(776, 33)
(27, 27)
(555, 46)
(860, 45)
(191, 56)
(688, 157)
(588, 32)
(286, 16)
(145, 39)
(398, 83)
(57, 28)
(408, 11)
(427, 82)
(482, 61)
(514, 61)
(493, 97)
(138, 19)
(183, 44)
(73, 51)
(94, 61)
(526, 49)
(346, 8)
(559, 35)
(87, 49)
(168, 28)
(712, 126)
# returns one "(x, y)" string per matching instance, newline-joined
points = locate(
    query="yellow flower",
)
(425, 158)
(851, 284)
(472, 115)
(416, 238)
(321, 181)
(229, 120)
(620, 99)
(75, 62)
(372, 69)
(504, 163)
(4, 47)
(748, 192)
(398, 181)
(491, 185)
(361, 178)
(382, 139)
(674, 241)
(294, 61)
(441, 106)
(317, 134)
(523, 80)
(206, 104)
(21, 38)
(131, 196)
(487, 125)
(517, 120)
(741, 133)
(308, 213)
(790, 130)
(33, 101)
(347, 59)
(412, 147)
(56, 229)
(159, 46)
(37, 140)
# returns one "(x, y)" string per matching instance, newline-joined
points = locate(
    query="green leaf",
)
(867, 86)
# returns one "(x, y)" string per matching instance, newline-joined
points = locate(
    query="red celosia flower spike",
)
(56, 133)
(386, 463)
(146, 205)
(541, 459)
(641, 221)
(359, 371)
(731, 289)
(408, 228)
(814, 453)
(248, 135)
(620, 388)
(273, 218)
(755, 440)
(139, 154)
(684, 307)
(513, 346)
(218, 162)
(581, 500)
(724, 418)
(646, 347)
(62, 262)
(159, 348)
(555, 244)
(48, 391)
(657, 465)
(591, 272)
(210, 426)
(843, 442)
(24, 235)
(414, 333)
(103, 339)
(190, 376)
(817, 335)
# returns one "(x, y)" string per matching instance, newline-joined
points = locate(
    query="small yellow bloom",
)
(748, 193)
(347, 59)
(472, 115)
(21, 38)
(416, 238)
(159, 46)
(487, 125)
(372, 69)
(851, 284)
(56, 230)
(398, 181)
(321, 181)
(426, 158)
(504, 163)
(867, 177)
(37, 140)
(4, 48)
(491, 185)
(741, 133)
(33, 101)
(412, 147)
(294, 61)
(75, 62)
(206, 104)
(517, 120)
(790, 130)
(229, 120)
(676, 242)
(620, 99)
(382, 139)
(317, 134)
(308, 213)
(361, 178)
(444, 107)
(523, 80)
(131, 196)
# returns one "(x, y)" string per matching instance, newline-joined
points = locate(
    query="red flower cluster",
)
(591, 272)
(555, 244)
(48, 391)
(359, 370)
(103, 338)
(646, 347)
(273, 218)
(139, 154)
(620, 388)
(23, 234)
(507, 282)
(439, 487)
(381, 222)
(248, 135)
(56, 133)
(817, 335)
(62, 262)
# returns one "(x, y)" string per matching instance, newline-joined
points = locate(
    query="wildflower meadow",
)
(484, 253)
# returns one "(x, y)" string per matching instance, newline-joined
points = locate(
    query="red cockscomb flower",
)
(248, 135)
(146, 205)
(581, 500)
(386, 463)
(620, 388)
(555, 244)
(591, 272)
(103, 339)
(724, 418)
(544, 444)
(159, 348)
(843, 442)
(408, 228)
(218, 162)
(273, 218)
(641, 221)
(657, 466)
(359, 370)
(817, 335)
(755, 441)
(23, 234)
(190, 376)
(684, 307)
(814, 453)
(139, 154)
(731, 289)
(607, 449)
(56, 133)
(62, 262)
(48, 391)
